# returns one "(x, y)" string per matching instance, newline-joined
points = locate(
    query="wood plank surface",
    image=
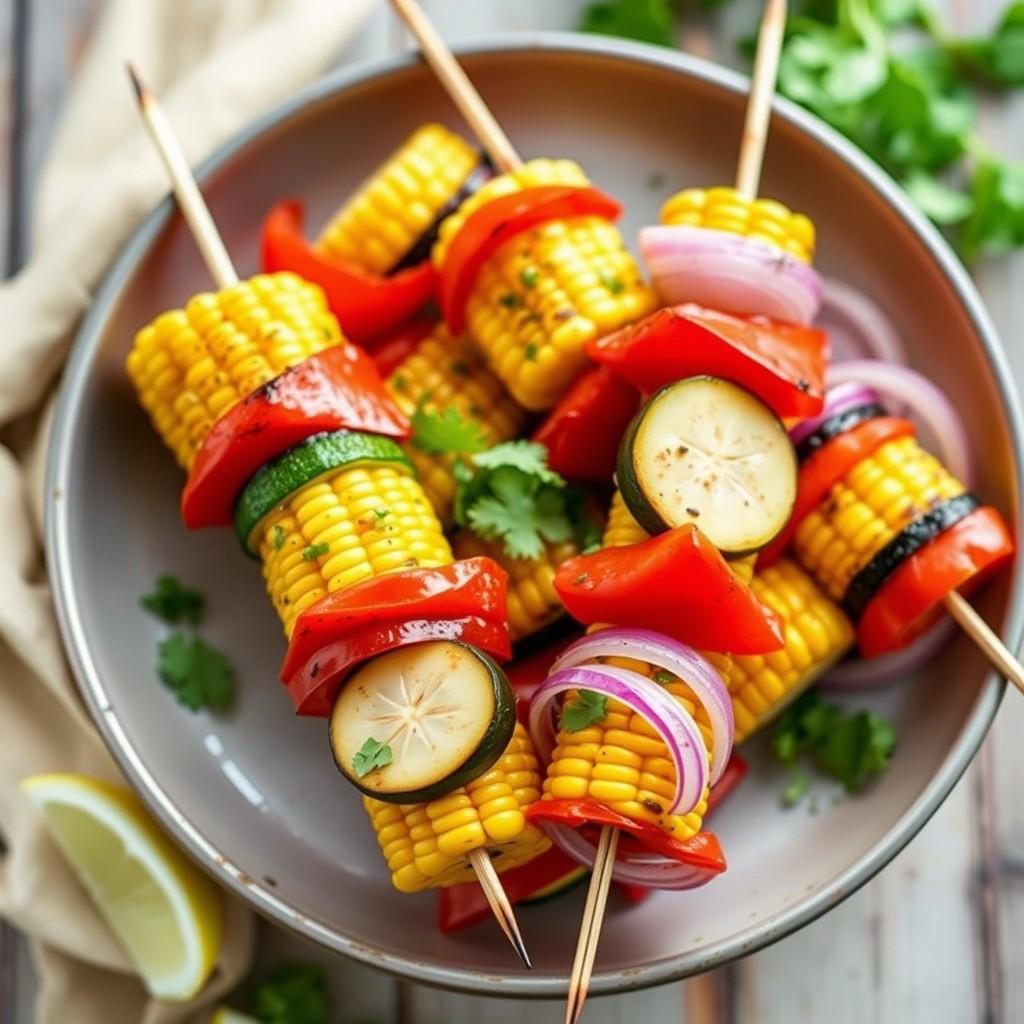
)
(936, 937)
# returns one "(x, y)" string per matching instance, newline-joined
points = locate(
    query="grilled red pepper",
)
(494, 223)
(337, 389)
(365, 304)
(822, 470)
(677, 583)
(465, 601)
(702, 851)
(582, 433)
(911, 599)
(783, 364)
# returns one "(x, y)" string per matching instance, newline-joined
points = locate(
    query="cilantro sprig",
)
(583, 709)
(372, 754)
(441, 433)
(292, 993)
(851, 748)
(197, 674)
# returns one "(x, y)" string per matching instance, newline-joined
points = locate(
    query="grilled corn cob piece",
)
(343, 528)
(724, 209)
(191, 365)
(544, 294)
(400, 202)
(880, 496)
(817, 634)
(533, 602)
(425, 845)
(444, 374)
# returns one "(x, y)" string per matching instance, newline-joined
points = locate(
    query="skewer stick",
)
(217, 260)
(458, 86)
(759, 105)
(590, 927)
(983, 635)
(498, 900)
(190, 199)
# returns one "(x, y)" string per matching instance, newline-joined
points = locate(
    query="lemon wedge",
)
(162, 908)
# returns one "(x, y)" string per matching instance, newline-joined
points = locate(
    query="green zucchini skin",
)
(836, 425)
(491, 746)
(302, 464)
(914, 536)
(571, 881)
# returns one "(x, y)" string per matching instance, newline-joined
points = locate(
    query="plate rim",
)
(260, 897)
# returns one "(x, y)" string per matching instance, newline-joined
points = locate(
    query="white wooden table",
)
(934, 939)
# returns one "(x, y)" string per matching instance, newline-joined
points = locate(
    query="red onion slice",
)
(856, 326)
(677, 729)
(651, 870)
(837, 400)
(906, 392)
(730, 272)
(662, 652)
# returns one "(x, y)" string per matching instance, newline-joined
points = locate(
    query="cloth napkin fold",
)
(216, 66)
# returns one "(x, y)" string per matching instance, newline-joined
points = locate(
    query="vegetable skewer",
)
(215, 255)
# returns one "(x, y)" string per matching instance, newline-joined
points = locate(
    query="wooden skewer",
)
(759, 105)
(215, 255)
(190, 199)
(490, 882)
(458, 86)
(984, 636)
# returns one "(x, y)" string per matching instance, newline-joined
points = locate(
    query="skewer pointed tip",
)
(499, 903)
(142, 93)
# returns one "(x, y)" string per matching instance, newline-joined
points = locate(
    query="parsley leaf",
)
(581, 710)
(292, 993)
(651, 21)
(198, 674)
(372, 754)
(850, 748)
(173, 602)
(446, 432)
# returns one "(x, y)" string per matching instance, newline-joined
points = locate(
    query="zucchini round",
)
(301, 465)
(705, 451)
(444, 710)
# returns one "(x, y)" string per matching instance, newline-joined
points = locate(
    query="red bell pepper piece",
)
(465, 601)
(389, 353)
(677, 583)
(365, 304)
(462, 906)
(702, 851)
(911, 599)
(782, 364)
(821, 471)
(582, 433)
(494, 223)
(735, 772)
(337, 389)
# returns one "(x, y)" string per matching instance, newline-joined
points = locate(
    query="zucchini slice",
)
(301, 465)
(707, 452)
(445, 711)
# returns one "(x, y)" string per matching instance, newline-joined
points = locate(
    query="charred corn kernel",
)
(444, 374)
(724, 209)
(817, 634)
(622, 763)
(345, 527)
(544, 294)
(401, 201)
(426, 845)
(191, 365)
(877, 499)
(533, 602)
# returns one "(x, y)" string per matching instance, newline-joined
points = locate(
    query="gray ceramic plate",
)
(254, 796)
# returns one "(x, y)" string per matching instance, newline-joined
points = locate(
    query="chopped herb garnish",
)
(511, 301)
(530, 352)
(613, 283)
(399, 382)
(292, 993)
(663, 677)
(278, 538)
(582, 710)
(529, 276)
(198, 674)
(173, 602)
(381, 513)
(314, 551)
(446, 433)
(372, 754)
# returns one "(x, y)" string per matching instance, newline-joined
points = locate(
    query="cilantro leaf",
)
(997, 58)
(278, 538)
(199, 675)
(651, 21)
(583, 709)
(529, 457)
(996, 222)
(446, 432)
(315, 551)
(372, 754)
(944, 204)
(173, 602)
(292, 993)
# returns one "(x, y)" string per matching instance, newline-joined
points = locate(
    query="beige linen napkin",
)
(216, 64)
